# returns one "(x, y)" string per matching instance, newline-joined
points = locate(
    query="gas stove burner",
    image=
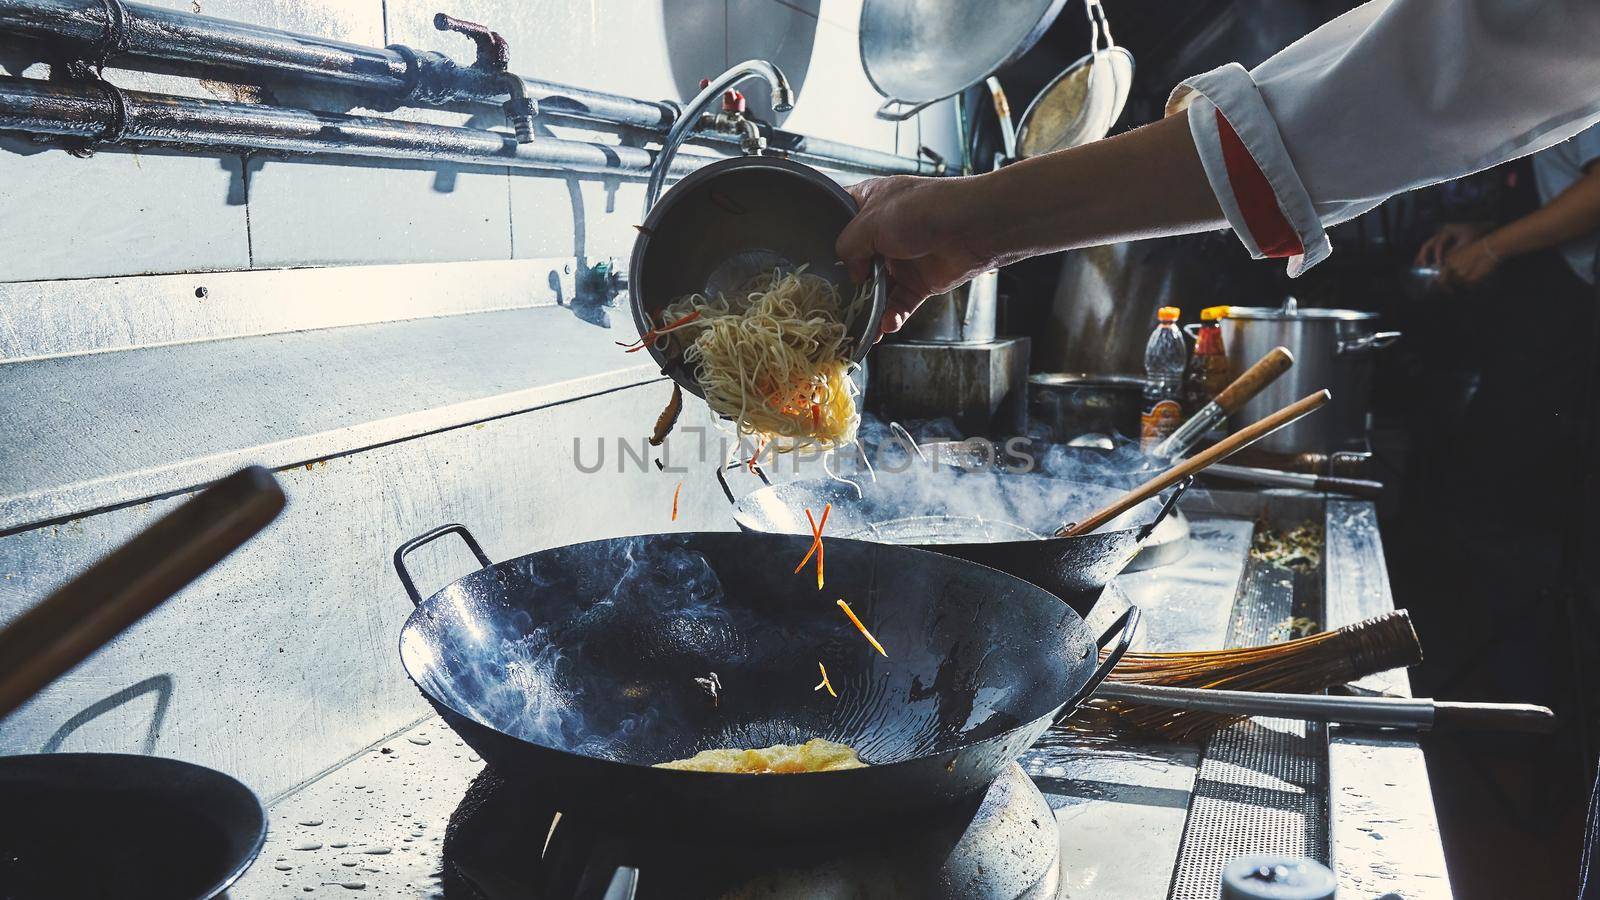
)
(1003, 845)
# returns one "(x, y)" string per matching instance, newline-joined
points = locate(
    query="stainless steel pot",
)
(1070, 405)
(731, 221)
(966, 315)
(1332, 349)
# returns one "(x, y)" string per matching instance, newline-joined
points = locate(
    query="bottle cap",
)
(1168, 314)
(1213, 312)
(1276, 878)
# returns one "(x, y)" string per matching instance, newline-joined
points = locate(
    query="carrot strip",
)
(817, 537)
(865, 633)
(825, 682)
(814, 543)
(649, 336)
(675, 492)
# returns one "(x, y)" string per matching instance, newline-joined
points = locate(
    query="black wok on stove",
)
(574, 669)
(1000, 519)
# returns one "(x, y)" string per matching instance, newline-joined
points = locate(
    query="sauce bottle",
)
(1164, 356)
(1207, 374)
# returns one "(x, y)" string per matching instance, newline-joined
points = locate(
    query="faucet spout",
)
(783, 98)
(521, 108)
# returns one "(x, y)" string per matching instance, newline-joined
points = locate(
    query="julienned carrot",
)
(645, 339)
(825, 682)
(865, 633)
(675, 491)
(816, 542)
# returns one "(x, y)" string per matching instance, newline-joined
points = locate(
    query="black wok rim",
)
(213, 780)
(1054, 715)
(741, 516)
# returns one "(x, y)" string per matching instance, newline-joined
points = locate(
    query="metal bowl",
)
(733, 220)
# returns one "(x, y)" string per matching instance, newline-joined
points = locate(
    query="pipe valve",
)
(494, 55)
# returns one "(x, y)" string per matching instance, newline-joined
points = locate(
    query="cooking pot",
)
(731, 221)
(1332, 349)
(1072, 404)
(965, 315)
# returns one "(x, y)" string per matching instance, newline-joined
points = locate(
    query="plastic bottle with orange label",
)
(1164, 357)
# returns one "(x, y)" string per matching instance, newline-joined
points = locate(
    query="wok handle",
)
(1166, 509)
(722, 478)
(1123, 628)
(79, 617)
(1453, 715)
(401, 552)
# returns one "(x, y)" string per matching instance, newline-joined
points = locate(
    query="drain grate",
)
(1262, 784)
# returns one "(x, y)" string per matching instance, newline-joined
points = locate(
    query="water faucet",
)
(783, 98)
(494, 55)
(520, 109)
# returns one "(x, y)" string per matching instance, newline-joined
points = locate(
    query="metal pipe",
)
(152, 33)
(397, 74)
(91, 111)
(782, 101)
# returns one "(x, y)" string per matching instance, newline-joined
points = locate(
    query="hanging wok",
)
(574, 669)
(999, 519)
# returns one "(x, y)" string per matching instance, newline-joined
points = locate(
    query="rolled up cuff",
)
(1255, 182)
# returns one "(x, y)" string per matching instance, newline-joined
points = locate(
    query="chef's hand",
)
(919, 226)
(1446, 239)
(1469, 265)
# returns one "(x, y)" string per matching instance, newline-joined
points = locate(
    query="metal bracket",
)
(114, 40)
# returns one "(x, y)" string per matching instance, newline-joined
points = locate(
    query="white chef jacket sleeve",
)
(1391, 96)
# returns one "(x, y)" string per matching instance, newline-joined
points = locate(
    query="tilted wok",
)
(574, 669)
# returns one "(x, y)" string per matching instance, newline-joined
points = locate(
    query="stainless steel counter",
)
(1136, 819)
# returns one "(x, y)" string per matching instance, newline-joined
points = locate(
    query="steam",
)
(977, 491)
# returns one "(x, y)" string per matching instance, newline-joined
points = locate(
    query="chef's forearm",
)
(1144, 183)
(1573, 213)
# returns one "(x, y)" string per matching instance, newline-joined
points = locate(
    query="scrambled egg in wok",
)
(815, 755)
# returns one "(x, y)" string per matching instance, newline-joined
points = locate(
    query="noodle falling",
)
(776, 360)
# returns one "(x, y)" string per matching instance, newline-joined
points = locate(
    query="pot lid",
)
(1291, 310)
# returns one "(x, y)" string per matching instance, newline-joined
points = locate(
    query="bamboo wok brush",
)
(1302, 666)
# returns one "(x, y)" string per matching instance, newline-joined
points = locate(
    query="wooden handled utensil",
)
(91, 609)
(1219, 451)
(1266, 370)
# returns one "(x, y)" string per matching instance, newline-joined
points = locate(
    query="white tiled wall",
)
(134, 213)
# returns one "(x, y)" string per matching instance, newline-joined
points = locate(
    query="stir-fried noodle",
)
(775, 358)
